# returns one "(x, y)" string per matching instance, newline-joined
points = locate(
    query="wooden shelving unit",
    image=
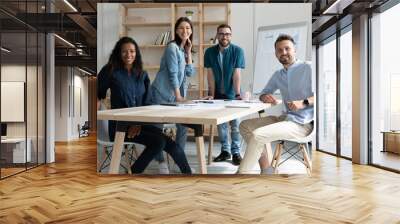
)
(152, 17)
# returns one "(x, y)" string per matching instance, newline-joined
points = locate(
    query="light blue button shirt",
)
(172, 74)
(295, 83)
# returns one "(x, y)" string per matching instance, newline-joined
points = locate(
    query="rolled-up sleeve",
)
(171, 59)
(103, 83)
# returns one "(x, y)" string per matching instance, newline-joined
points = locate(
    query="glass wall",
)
(330, 67)
(385, 89)
(327, 96)
(22, 79)
(346, 92)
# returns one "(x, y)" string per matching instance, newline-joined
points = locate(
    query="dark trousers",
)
(155, 142)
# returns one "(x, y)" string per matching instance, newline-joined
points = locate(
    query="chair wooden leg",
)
(273, 162)
(127, 161)
(102, 158)
(307, 160)
(165, 155)
(132, 155)
(210, 144)
(136, 152)
(278, 153)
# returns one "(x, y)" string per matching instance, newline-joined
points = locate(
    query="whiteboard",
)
(265, 63)
(12, 101)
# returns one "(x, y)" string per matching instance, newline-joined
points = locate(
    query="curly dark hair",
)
(115, 60)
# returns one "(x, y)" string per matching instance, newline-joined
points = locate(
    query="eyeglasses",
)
(225, 34)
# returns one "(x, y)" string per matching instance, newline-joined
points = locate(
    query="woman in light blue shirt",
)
(176, 65)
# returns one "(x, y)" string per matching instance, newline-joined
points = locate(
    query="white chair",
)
(301, 146)
(103, 142)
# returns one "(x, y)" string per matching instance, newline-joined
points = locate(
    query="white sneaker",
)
(163, 168)
(268, 171)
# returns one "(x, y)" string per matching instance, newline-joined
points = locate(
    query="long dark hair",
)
(115, 60)
(177, 39)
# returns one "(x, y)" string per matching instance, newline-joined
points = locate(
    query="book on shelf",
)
(158, 40)
(163, 38)
(167, 38)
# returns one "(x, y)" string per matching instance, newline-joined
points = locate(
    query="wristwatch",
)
(305, 102)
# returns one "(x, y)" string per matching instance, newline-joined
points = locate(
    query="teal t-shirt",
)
(233, 57)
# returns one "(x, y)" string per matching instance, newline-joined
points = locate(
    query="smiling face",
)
(285, 52)
(128, 54)
(224, 36)
(184, 30)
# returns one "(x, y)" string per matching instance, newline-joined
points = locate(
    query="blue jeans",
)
(235, 136)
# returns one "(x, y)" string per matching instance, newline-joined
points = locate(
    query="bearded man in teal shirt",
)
(224, 62)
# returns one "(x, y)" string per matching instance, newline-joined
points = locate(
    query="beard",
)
(284, 60)
(224, 43)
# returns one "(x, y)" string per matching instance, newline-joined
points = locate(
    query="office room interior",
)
(53, 51)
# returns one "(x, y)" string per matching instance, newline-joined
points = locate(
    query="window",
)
(22, 65)
(385, 88)
(327, 96)
(346, 93)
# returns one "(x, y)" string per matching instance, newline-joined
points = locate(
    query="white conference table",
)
(195, 114)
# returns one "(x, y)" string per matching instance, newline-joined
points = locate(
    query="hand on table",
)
(179, 99)
(207, 98)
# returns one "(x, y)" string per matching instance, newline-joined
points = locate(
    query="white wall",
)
(108, 23)
(61, 103)
(242, 23)
(68, 82)
(247, 18)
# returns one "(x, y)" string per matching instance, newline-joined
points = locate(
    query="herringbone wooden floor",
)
(70, 191)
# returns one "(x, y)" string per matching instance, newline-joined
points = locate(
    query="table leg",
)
(117, 152)
(198, 134)
(201, 154)
(210, 144)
